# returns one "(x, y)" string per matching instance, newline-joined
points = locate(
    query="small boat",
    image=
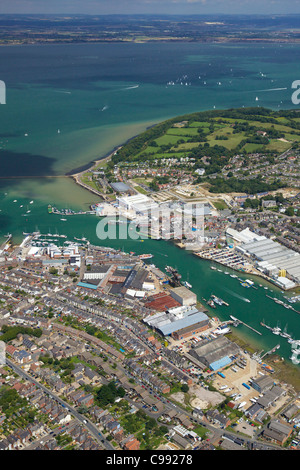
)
(64, 220)
(276, 330)
(244, 284)
(146, 256)
(187, 284)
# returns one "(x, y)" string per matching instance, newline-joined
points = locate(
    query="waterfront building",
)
(138, 203)
(179, 322)
(184, 296)
(269, 256)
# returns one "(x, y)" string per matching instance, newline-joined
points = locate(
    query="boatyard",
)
(228, 258)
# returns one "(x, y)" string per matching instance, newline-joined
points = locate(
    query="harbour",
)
(227, 292)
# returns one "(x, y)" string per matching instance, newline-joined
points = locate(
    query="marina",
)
(228, 258)
(54, 210)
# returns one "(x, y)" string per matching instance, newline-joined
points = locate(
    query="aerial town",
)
(106, 351)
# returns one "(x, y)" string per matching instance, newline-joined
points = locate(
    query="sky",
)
(103, 7)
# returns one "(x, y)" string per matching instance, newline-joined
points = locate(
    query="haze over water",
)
(70, 104)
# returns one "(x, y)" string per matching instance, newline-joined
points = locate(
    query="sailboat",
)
(284, 333)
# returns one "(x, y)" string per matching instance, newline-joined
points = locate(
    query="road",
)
(82, 419)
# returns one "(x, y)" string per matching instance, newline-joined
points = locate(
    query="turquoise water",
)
(97, 96)
(68, 105)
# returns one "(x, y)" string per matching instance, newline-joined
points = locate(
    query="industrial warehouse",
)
(177, 316)
(216, 353)
(179, 322)
(278, 262)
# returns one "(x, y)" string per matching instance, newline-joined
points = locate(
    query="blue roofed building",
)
(216, 353)
(179, 322)
(87, 285)
(220, 363)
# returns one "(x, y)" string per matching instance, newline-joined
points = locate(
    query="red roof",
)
(134, 444)
(161, 302)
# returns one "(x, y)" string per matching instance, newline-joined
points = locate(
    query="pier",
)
(271, 351)
(289, 307)
(245, 324)
(7, 241)
(54, 210)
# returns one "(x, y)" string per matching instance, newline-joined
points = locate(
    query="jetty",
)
(237, 320)
(289, 307)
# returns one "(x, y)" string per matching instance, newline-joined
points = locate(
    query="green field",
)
(216, 136)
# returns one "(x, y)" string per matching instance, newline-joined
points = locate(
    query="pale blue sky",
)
(151, 6)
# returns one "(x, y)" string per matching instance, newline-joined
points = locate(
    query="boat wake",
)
(269, 89)
(131, 87)
(65, 92)
(236, 295)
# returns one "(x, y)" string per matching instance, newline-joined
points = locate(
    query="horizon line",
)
(270, 15)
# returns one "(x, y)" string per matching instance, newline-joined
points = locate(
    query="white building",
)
(138, 203)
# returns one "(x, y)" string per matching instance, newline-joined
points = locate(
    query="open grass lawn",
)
(184, 131)
(220, 205)
(141, 190)
(149, 149)
(292, 137)
(231, 143)
(252, 148)
(284, 120)
(278, 145)
(199, 124)
(187, 145)
(90, 182)
(170, 139)
(283, 123)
